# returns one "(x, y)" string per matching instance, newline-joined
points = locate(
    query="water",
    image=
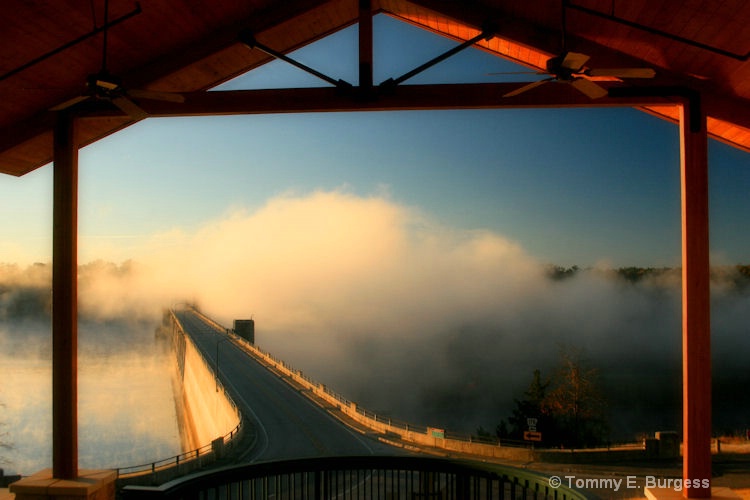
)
(126, 407)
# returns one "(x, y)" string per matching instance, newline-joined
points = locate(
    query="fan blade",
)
(69, 103)
(517, 73)
(130, 108)
(622, 72)
(527, 87)
(156, 95)
(574, 61)
(589, 88)
(106, 84)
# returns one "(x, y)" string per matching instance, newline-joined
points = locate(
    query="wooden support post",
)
(365, 45)
(696, 328)
(64, 300)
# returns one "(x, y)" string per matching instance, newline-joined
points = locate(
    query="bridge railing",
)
(184, 459)
(410, 434)
(413, 433)
(371, 477)
(168, 468)
(393, 422)
(339, 398)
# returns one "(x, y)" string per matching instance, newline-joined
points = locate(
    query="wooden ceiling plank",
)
(686, 22)
(196, 47)
(631, 9)
(653, 13)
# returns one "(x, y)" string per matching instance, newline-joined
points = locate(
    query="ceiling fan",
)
(104, 86)
(570, 67)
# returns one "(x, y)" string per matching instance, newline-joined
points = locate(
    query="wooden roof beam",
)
(408, 97)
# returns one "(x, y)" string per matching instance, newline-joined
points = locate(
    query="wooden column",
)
(64, 300)
(365, 45)
(696, 328)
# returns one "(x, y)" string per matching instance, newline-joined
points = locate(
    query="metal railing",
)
(371, 477)
(393, 422)
(194, 459)
(181, 459)
(374, 416)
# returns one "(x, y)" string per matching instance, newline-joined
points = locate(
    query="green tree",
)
(532, 406)
(569, 407)
(559, 273)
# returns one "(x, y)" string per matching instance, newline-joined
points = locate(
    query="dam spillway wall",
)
(211, 426)
(205, 411)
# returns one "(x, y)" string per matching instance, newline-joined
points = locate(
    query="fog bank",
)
(433, 324)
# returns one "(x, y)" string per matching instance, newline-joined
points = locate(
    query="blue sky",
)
(569, 186)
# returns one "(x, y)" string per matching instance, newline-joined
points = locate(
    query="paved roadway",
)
(288, 424)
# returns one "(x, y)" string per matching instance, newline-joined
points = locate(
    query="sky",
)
(570, 187)
(410, 241)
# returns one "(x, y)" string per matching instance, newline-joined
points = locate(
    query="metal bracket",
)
(488, 31)
(248, 38)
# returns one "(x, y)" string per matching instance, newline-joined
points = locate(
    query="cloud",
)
(431, 323)
(327, 256)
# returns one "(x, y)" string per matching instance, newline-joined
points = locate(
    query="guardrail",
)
(181, 459)
(371, 477)
(409, 432)
(189, 461)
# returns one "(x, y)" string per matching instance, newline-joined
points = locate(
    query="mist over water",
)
(462, 374)
(427, 323)
(126, 407)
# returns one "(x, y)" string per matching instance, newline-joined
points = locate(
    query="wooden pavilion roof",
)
(48, 48)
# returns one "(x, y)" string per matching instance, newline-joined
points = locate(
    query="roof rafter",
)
(407, 97)
(724, 113)
(189, 46)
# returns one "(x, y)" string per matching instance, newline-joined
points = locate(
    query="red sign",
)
(532, 436)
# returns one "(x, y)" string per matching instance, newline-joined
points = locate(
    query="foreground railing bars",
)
(372, 477)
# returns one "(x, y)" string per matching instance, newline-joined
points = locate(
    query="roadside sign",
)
(437, 433)
(531, 422)
(532, 436)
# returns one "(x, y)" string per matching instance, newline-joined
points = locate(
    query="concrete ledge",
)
(90, 485)
(671, 494)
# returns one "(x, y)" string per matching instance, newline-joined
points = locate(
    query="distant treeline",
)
(738, 276)
(27, 292)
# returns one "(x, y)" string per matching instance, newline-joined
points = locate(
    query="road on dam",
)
(288, 425)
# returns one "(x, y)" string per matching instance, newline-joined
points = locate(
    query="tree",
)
(532, 406)
(576, 401)
(569, 407)
(559, 273)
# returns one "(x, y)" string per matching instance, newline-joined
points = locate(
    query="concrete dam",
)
(208, 419)
(293, 416)
(205, 411)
